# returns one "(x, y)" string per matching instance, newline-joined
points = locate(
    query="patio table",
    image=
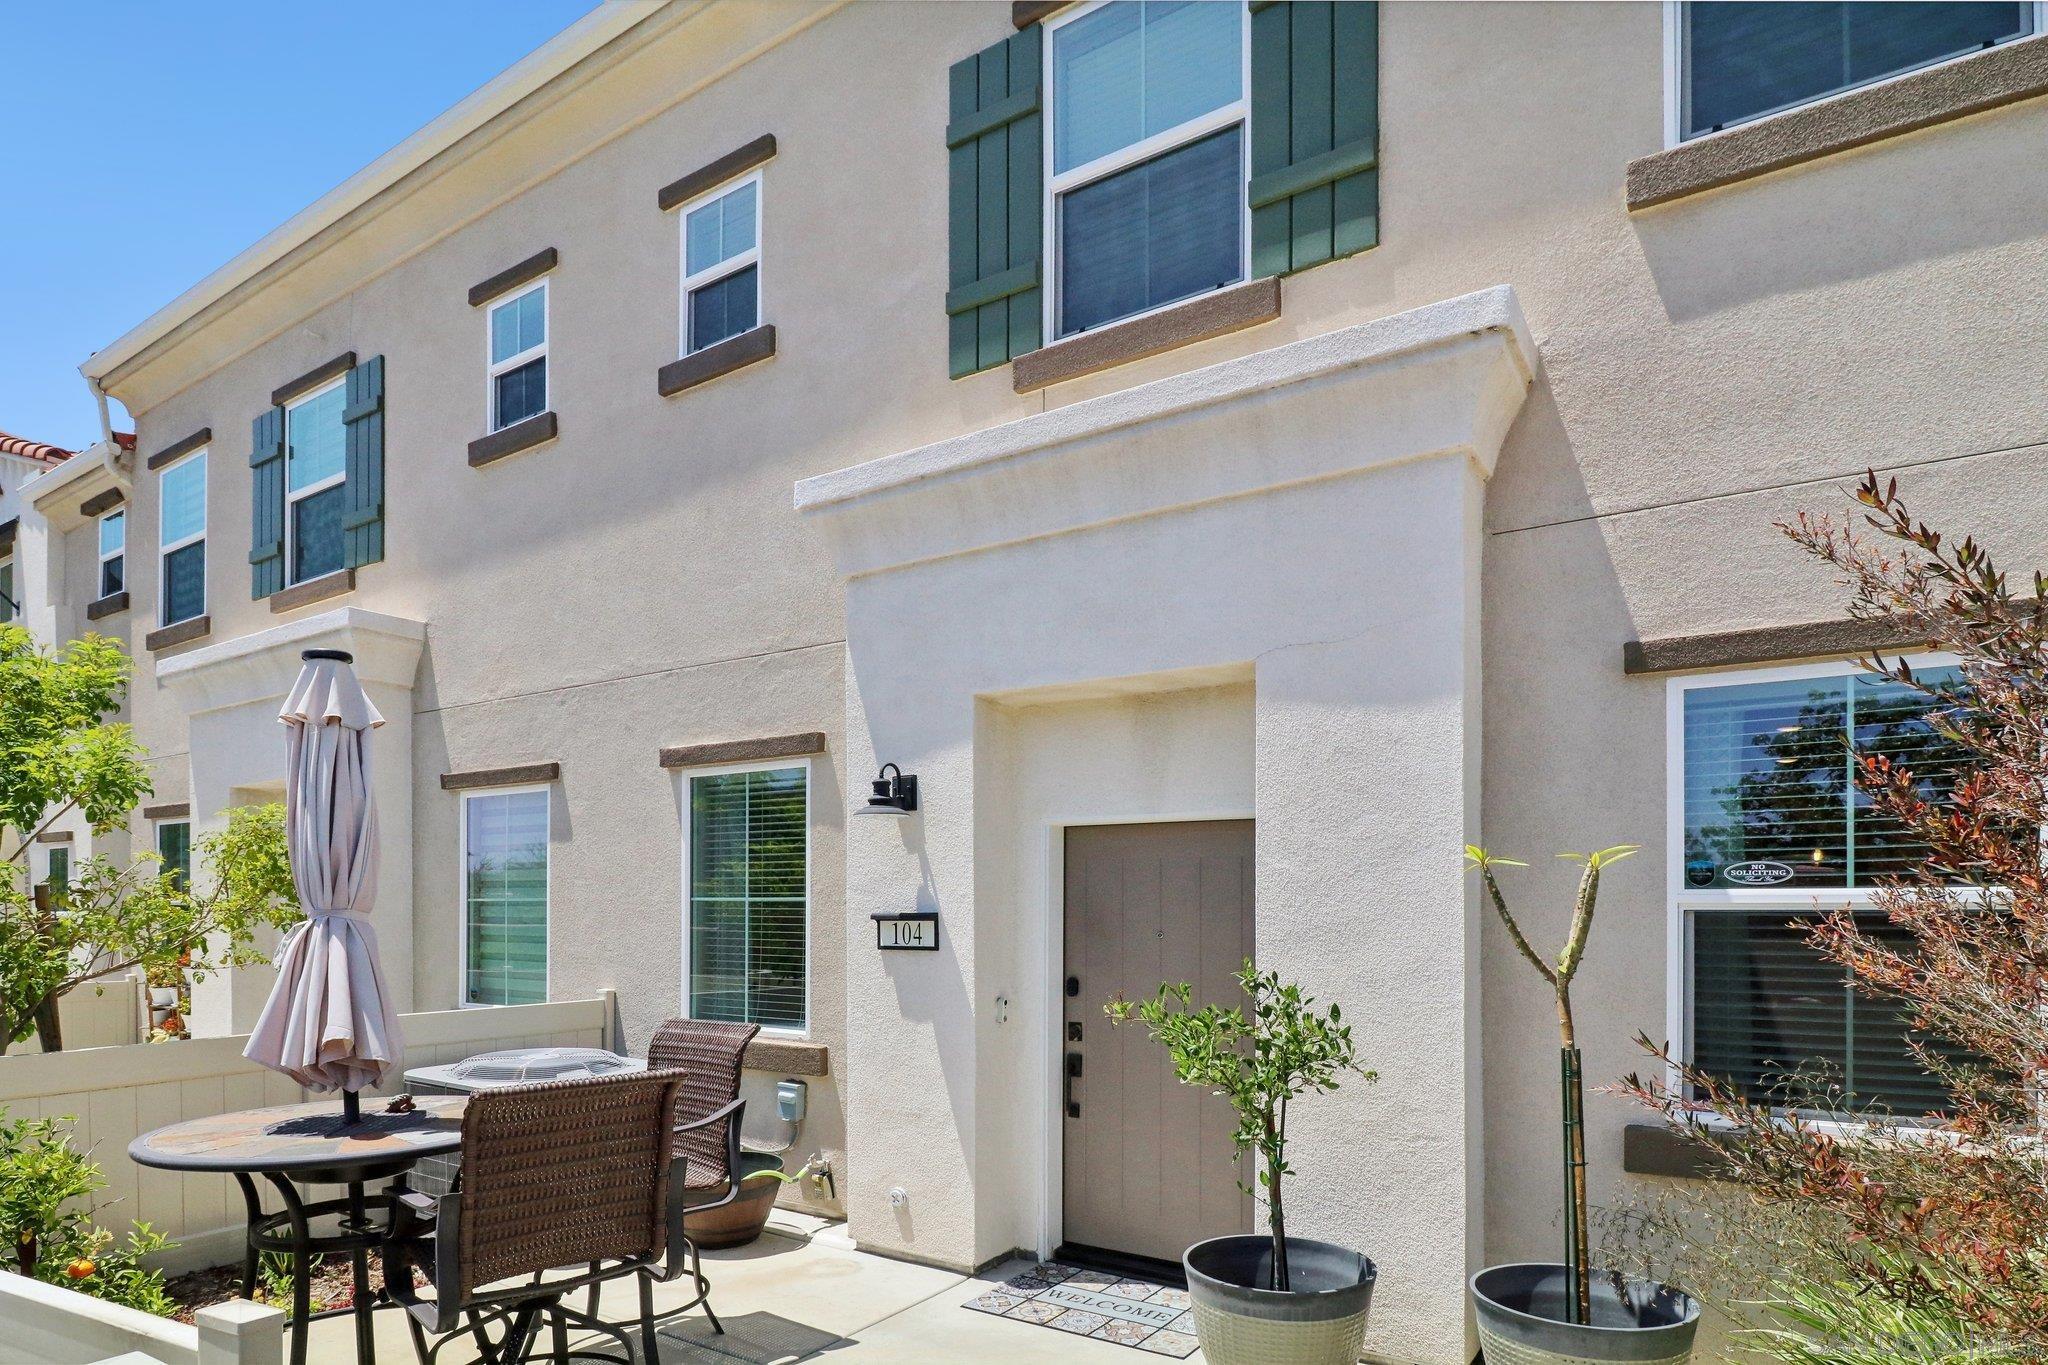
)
(311, 1144)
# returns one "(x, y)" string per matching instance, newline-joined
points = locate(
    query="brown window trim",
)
(743, 750)
(8, 529)
(789, 1056)
(203, 436)
(313, 590)
(1766, 645)
(710, 176)
(512, 276)
(1654, 1149)
(100, 502)
(54, 836)
(518, 775)
(701, 367)
(313, 378)
(1955, 89)
(173, 810)
(107, 606)
(183, 632)
(1214, 314)
(521, 435)
(1025, 13)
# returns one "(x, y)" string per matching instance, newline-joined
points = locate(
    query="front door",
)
(1149, 1165)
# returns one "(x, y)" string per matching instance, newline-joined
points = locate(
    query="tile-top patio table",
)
(311, 1144)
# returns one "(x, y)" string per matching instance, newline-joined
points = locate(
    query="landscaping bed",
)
(333, 1287)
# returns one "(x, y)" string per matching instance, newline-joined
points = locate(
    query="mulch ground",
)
(333, 1287)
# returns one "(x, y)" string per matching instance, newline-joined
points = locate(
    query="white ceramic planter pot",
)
(1521, 1312)
(163, 997)
(1319, 1320)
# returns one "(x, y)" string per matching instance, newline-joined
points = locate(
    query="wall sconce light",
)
(895, 793)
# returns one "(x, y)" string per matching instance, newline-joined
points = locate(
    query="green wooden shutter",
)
(1315, 191)
(995, 191)
(266, 509)
(362, 499)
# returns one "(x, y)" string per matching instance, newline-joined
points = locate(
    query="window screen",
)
(749, 896)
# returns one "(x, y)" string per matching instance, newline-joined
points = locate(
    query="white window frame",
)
(1674, 75)
(99, 545)
(731, 265)
(462, 1000)
(492, 369)
(1238, 112)
(49, 855)
(12, 606)
(689, 775)
(1682, 903)
(156, 839)
(320, 486)
(165, 548)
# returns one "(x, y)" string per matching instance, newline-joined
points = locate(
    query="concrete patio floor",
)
(802, 1284)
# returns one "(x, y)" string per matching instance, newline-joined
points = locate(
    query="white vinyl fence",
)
(106, 1014)
(111, 1095)
(54, 1326)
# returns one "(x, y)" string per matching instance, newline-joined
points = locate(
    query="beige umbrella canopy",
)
(328, 1022)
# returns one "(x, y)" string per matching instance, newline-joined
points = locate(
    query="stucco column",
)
(231, 693)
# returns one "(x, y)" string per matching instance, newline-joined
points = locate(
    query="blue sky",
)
(145, 142)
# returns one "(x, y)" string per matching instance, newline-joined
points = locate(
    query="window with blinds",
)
(505, 897)
(1772, 821)
(749, 861)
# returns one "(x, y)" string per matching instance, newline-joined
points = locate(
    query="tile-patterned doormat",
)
(1092, 1303)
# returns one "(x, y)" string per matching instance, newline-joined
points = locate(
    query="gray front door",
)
(1149, 1165)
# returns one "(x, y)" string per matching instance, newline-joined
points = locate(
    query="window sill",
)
(107, 606)
(1855, 118)
(511, 440)
(701, 367)
(1198, 319)
(313, 590)
(195, 628)
(788, 1056)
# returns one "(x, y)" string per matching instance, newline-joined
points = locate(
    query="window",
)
(1774, 833)
(181, 539)
(1738, 62)
(57, 869)
(519, 357)
(113, 552)
(748, 864)
(722, 265)
(174, 846)
(505, 897)
(1145, 186)
(315, 466)
(9, 603)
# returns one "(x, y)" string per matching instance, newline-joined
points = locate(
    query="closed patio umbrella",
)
(328, 1022)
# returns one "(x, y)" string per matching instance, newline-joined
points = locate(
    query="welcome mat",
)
(1092, 1303)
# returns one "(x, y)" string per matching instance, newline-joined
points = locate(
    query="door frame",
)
(1052, 985)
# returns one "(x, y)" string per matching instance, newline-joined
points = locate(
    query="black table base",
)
(290, 1231)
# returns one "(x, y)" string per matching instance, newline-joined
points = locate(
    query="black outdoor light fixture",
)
(895, 793)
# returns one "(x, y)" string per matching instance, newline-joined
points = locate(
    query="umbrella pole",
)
(351, 1107)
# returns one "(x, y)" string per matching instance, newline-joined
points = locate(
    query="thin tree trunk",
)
(1274, 1207)
(49, 1027)
(1575, 1157)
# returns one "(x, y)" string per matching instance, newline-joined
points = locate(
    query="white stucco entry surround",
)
(1306, 519)
(231, 693)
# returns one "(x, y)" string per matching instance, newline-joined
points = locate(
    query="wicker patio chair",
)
(565, 1174)
(707, 1130)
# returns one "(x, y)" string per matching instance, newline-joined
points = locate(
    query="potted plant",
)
(1260, 1298)
(743, 1218)
(1544, 1312)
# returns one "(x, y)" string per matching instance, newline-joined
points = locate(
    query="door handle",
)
(1073, 1074)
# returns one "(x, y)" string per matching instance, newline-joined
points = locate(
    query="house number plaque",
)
(917, 931)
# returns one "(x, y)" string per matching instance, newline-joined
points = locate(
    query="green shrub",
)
(47, 1221)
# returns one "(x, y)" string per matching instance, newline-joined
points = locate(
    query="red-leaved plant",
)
(1948, 1211)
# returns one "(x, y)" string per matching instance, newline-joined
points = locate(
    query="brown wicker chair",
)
(568, 1173)
(707, 1130)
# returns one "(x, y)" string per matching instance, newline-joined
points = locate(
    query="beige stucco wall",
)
(1707, 366)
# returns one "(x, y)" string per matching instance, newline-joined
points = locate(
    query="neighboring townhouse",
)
(1230, 456)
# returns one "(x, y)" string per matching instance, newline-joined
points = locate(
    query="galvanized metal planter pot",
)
(1521, 1310)
(1319, 1321)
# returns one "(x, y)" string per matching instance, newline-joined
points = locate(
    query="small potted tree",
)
(1549, 1314)
(1264, 1297)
